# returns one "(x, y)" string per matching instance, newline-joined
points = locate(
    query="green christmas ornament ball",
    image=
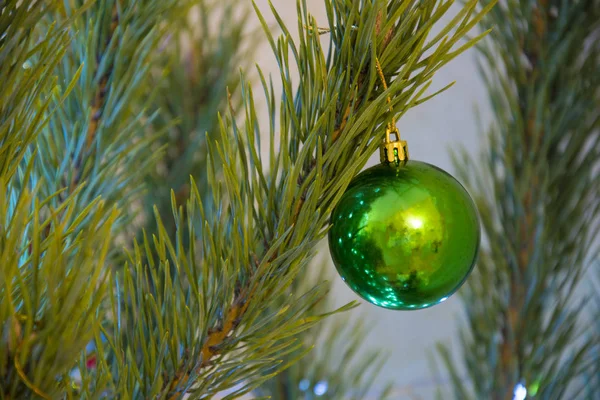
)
(404, 236)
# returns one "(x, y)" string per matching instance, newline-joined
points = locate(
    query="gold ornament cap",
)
(393, 151)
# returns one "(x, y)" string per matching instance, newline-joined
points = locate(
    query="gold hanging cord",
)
(392, 151)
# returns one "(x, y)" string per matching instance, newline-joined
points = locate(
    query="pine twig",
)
(97, 105)
(26, 380)
(511, 351)
(99, 98)
(216, 338)
(233, 317)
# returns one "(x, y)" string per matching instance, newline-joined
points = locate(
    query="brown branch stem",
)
(511, 352)
(97, 108)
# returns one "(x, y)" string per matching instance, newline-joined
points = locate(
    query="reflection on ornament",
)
(415, 222)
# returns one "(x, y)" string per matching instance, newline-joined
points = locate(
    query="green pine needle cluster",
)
(335, 367)
(538, 193)
(47, 308)
(195, 76)
(96, 136)
(103, 112)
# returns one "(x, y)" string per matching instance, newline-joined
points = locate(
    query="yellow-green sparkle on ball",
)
(404, 237)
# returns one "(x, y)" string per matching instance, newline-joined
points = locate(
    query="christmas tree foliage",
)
(113, 285)
(538, 193)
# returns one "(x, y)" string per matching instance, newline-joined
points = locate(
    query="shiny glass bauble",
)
(404, 237)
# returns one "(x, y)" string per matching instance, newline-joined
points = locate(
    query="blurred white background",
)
(447, 121)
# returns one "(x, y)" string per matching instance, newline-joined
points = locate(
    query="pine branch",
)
(269, 214)
(538, 198)
(36, 249)
(209, 67)
(43, 301)
(96, 107)
(320, 371)
(54, 242)
(333, 367)
(100, 96)
(93, 138)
